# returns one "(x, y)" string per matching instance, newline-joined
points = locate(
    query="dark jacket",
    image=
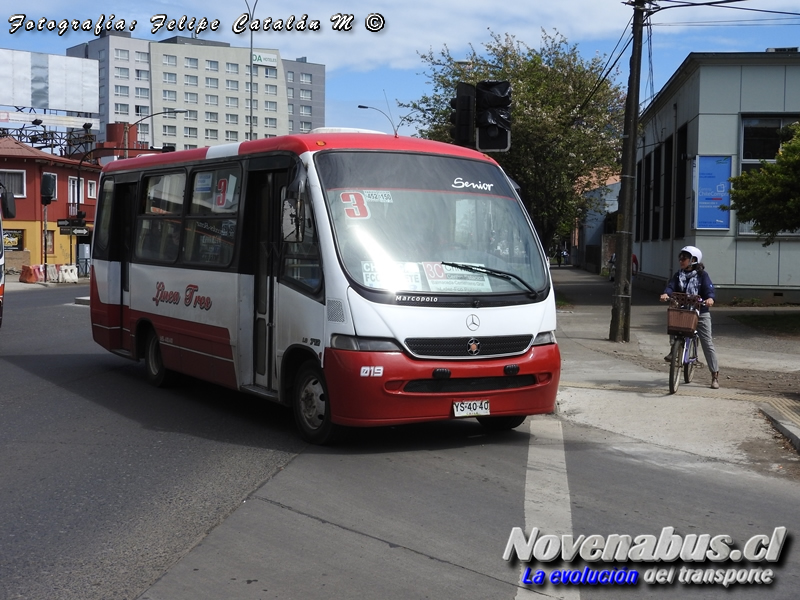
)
(705, 288)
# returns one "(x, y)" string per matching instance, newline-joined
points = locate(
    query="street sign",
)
(63, 223)
(65, 231)
(80, 231)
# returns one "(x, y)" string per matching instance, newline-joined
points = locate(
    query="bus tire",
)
(312, 411)
(157, 374)
(500, 423)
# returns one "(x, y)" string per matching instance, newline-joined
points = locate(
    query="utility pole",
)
(621, 306)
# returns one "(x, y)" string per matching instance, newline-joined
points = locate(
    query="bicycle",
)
(683, 314)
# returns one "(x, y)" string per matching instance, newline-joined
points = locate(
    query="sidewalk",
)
(583, 334)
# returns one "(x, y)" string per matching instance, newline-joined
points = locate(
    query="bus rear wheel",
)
(312, 411)
(157, 374)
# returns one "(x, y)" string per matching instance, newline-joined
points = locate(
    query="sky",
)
(377, 62)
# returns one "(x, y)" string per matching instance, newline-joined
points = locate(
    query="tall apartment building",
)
(210, 83)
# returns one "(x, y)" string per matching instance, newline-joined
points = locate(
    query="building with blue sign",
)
(719, 115)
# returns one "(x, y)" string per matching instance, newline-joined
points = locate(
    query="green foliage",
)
(770, 196)
(566, 122)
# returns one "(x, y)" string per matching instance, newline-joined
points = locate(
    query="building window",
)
(212, 100)
(247, 104)
(171, 78)
(170, 60)
(169, 113)
(169, 95)
(231, 102)
(290, 109)
(232, 68)
(290, 76)
(142, 131)
(247, 70)
(231, 136)
(142, 57)
(121, 109)
(191, 115)
(270, 72)
(247, 120)
(291, 126)
(190, 97)
(305, 126)
(270, 106)
(169, 130)
(74, 190)
(212, 83)
(305, 78)
(290, 93)
(212, 134)
(14, 182)
(232, 85)
(247, 87)
(212, 117)
(121, 91)
(122, 73)
(190, 132)
(190, 80)
(142, 111)
(189, 146)
(271, 123)
(143, 93)
(142, 75)
(212, 65)
(231, 119)
(305, 94)
(305, 111)
(190, 63)
(121, 54)
(92, 191)
(271, 89)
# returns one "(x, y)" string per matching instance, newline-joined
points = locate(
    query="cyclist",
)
(692, 278)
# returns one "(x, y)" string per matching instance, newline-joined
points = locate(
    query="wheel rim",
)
(312, 403)
(675, 366)
(154, 357)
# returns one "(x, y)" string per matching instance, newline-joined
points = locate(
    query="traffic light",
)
(48, 188)
(493, 116)
(463, 115)
(80, 218)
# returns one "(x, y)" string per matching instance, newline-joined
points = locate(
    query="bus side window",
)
(301, 260)
(158, 228)
(212, 220)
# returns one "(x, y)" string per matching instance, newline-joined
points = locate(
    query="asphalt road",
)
(113, 489)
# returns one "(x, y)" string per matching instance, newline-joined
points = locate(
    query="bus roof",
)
(297, 144)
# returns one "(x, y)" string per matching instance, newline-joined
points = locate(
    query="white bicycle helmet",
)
(694, 251)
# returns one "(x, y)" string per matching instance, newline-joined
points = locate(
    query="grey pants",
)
(704, 332)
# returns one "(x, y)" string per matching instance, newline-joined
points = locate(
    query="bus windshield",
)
(426, 223)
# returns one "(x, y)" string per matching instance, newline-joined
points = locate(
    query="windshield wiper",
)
(496, 273)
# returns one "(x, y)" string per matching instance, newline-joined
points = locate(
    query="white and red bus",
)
(362, 279)
(8, 210)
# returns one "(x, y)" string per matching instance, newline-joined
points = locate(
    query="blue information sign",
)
(713, 192)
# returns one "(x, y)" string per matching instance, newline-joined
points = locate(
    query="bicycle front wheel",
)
(688, 368)
(675, 365)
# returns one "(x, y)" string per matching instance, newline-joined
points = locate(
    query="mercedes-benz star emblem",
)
(473, 347)
(473, 322)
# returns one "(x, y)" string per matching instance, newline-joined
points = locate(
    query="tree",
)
(566, 122)
(770, 196)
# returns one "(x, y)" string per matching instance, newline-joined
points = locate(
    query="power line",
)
(722, 4)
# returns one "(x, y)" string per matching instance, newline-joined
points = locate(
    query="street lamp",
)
(251, 13)
(128, 126)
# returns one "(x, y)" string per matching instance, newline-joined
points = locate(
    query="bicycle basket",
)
(681, 321)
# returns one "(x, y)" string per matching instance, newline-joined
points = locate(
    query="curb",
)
(779, 421)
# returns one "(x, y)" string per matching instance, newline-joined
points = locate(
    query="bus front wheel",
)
(157, 373)
(312, 411)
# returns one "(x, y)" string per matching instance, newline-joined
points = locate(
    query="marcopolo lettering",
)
(399, 298)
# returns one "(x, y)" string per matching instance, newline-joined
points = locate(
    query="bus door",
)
(265, 186)
(112, 248)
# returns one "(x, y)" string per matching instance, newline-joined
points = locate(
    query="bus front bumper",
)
(390, 388)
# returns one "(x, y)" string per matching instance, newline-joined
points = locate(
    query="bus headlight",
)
(362, 344)
(544, 338)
